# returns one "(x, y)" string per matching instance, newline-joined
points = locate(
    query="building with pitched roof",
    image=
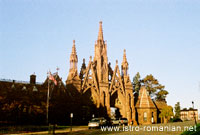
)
(92, 91)
(146, 109)
(107, 87)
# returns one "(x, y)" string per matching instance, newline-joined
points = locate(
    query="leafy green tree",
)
(155, 89)
(166, 113)
(161, 95)
(137, 82)
(177, 110)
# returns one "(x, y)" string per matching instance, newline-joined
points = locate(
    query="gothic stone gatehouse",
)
(97, 87)
(110, 88)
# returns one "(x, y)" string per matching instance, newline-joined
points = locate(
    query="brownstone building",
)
(93, 90)
(147, 111)
(108, 87)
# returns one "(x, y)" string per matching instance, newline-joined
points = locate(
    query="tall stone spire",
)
(100, 56)
(124, 64)
(73, 77)
(100, 35)
(73, 58)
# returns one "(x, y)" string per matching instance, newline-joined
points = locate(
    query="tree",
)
(166, 113)
(155, 89)
(161, 95)
(177, 110)
(136, 82)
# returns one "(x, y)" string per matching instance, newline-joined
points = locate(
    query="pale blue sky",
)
(162, 37)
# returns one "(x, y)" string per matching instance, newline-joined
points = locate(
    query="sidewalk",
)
(75, 128)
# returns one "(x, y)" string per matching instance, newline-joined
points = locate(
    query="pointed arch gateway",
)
(118, 94)
(90, 83)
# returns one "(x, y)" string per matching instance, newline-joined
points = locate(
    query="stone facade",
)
(93, 90)
(146, 110)
(108, 87)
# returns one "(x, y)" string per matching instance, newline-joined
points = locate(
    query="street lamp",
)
(194, 113)
(71, 116)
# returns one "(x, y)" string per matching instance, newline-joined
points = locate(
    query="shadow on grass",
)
(197, 132)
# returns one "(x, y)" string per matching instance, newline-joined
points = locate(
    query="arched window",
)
(145, 116)
(24, 88)
(104, 98)
(129, 98)
(152, 118)
(35, 88)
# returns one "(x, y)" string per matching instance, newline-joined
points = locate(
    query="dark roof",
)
(160, 104)
(190, 109)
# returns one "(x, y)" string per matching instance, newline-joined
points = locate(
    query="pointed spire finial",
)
(116, 62)
(73, 56)
(124, 65)
(100, 35)
(90, 58)
(73, 48)
(124, 57)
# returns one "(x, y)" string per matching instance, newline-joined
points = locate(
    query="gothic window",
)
(90, 74)
(13, 86)
(129, 98)
(104, 99)
(91, 98)
(34, 88)
(110, 77)
(145, 116)
(24, 88)
(152, 118)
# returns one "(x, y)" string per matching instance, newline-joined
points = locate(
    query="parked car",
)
(123, 121)
(97, 122)
(115, 121)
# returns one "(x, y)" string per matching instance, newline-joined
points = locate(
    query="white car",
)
(96, 122)
(115, 121)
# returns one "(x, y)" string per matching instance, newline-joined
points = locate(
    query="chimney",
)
(32, 79)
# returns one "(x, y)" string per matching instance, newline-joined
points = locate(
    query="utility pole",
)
(48, 104)
(194, 113)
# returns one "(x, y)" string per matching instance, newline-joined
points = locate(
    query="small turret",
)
(124, 65)
(73, 58)
(73, 77)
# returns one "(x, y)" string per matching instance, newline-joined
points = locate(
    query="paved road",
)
(173, 129)
(168, 129)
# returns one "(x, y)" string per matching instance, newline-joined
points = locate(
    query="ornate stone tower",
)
(101, 63)
(129, 107)
(105, 86)
(73, 77)
(100, 56)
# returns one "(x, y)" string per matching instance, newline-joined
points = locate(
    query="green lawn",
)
(197, 132)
